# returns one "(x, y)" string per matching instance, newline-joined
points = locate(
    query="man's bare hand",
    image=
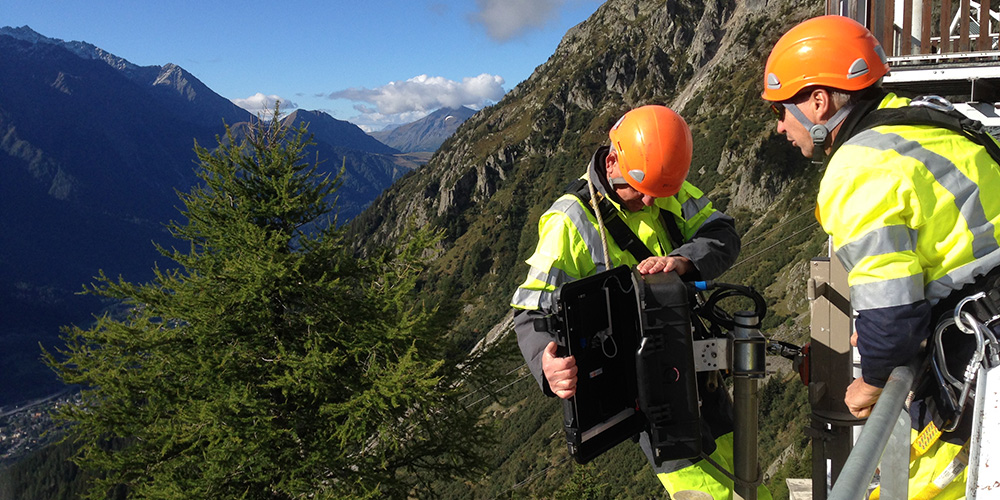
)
(653, 265)
(861, 397)
(560, 372)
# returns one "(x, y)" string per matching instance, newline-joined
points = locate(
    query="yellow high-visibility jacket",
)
(913, 212)
(569, 239)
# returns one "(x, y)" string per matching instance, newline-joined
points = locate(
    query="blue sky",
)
(365, 61)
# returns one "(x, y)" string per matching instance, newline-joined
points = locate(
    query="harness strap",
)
(923, 115)
(952, 471)
(616, 226)
(925, 440)
(624, 236)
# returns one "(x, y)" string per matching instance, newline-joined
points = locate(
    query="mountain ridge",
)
(426, 134)
(337, 132)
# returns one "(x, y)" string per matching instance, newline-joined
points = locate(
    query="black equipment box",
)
(631, 336)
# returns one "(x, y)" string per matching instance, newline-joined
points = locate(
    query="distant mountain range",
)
(338, 133)
(92, 149)
(426, 134)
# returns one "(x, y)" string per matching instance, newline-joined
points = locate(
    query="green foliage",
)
(273, 363)
(47, 475)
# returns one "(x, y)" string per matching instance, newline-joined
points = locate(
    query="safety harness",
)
(934, 111)
(615, 225)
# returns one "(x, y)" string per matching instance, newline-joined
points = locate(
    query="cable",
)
(495, 392)
(810, 226)
(778, 226)
(718, 316)
(494, 381)
(532, 477)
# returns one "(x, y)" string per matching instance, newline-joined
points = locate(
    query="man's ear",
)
(610, 161)
(821, 103)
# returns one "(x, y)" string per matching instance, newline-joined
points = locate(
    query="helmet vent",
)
(638, 175)
(773, 82)
(881, 54)
(858, 68)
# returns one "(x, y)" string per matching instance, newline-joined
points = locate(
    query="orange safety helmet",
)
(830, 51)
(654, 149)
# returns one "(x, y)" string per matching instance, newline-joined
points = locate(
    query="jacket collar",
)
(868, 102)
(597, 171)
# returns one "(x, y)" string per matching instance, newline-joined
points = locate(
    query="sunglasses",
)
(778, 110)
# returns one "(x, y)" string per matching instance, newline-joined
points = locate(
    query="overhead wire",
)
(778, 226)
(761, 251)
(517, 368)
(495, 392)
(532, 477)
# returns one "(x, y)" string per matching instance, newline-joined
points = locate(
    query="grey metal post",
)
(748, 366)
(830, 372)
(745, 459)
(895, 463)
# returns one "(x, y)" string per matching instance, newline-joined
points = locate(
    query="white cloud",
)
(507, 19)
(263, 105)
(422, 94)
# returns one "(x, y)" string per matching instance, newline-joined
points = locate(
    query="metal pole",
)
(748, 366)
(745, 437)
(895, 469)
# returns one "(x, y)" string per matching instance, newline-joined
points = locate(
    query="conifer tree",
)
(271, 363)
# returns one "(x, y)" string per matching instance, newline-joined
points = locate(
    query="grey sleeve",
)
(532, 343)
(713, 248)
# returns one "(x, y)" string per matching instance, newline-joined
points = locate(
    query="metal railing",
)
(885, 438)
(908, 27)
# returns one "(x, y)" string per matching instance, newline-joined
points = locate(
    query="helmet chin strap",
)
(819, 132)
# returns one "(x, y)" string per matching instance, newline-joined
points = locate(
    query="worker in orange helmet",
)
(912, 212)
(642, 173)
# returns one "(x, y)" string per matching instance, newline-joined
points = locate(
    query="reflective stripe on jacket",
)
(913, 212)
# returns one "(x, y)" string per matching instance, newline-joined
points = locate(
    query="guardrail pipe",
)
(860, 466)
